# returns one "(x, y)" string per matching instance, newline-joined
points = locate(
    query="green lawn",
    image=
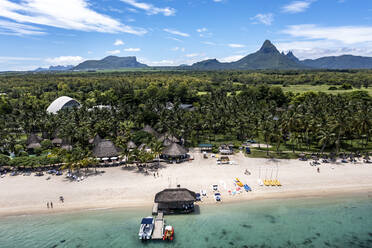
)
(323, 88)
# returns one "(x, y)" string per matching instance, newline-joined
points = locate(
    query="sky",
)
(40, 33)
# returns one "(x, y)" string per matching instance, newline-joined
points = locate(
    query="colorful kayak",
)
(247, 188)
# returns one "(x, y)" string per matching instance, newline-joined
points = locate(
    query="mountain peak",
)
(268, 47)
(291, 56)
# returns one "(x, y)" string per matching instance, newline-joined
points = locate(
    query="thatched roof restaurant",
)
(178, 200)
(174, 151)
(105, 149)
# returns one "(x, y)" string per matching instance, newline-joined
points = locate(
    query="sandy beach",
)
(126, 187)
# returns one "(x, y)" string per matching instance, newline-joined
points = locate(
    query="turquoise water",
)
(308, 222)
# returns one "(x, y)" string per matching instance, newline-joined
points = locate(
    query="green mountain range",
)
(340, 62)
(268, 57)
(110, 62)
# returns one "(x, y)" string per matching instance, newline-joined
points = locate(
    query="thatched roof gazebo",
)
(33, 141)
(150, 130)
(168, 136)
(57, 141)
(95, 140)
(174, 151)
(131, 145)
(175, 200)
(167, 142)
(105, 149)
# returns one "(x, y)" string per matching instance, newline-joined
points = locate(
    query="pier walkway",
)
(159, 227)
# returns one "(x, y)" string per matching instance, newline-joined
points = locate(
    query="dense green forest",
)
(229, 107)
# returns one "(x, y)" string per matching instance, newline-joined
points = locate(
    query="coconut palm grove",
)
(139, 112)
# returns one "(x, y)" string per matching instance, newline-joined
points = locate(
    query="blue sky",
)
(36, 33)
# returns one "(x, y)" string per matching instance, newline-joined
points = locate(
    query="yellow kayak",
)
(277, 183)
(237, 181)
(273, 183)
(266, 182)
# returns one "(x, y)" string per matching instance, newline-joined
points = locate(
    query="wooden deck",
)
(159, 227)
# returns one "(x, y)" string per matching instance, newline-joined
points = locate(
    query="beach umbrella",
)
(105, 159)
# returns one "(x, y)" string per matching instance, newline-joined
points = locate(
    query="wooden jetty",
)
(155, 209)
(159, 227)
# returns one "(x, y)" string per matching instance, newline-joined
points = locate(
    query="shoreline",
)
(246, 198)
(126, 187)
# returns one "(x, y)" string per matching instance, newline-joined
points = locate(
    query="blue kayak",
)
(247, 188)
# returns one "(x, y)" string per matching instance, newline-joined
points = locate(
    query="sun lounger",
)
(217, 197)
(215, 187)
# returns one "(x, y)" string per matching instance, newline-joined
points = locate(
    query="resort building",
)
(178, 200)
(63, 102)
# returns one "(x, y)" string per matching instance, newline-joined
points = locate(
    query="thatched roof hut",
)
(175, 200)
(95, 140)
(33, 141)
(167, 142)
(168, 136)
(131, 145)
(175, 195)
(105, 149)
(150, 130)
(57, 141)
(174, 150)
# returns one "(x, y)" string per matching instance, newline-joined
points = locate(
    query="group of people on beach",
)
(50, 204)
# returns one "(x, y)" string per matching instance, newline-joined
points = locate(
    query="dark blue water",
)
(307, 222)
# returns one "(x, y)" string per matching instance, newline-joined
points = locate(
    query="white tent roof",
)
(62, 102)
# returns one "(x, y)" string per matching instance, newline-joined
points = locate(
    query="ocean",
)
(300, 222)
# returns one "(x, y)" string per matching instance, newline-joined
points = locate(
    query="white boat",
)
(146, 229)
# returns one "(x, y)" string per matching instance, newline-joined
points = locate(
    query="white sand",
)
(120, 187)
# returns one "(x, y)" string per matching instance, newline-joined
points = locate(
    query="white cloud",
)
(320, 48)
(13, 28)
(150, 9)
(175, 39)
(113, 52)
(236, 45)
(208, 43)
(217, 1)
(66, 14)
(182, 49)
(231, 58)
(201, 30)
(297, 6)
(161, 63)
(266, 19)
(65, 60)
(119, 43)
(344, 34)
(132, 49)
(176, 32)
(192, 55)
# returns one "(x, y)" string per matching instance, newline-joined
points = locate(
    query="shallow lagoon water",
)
(300, 222)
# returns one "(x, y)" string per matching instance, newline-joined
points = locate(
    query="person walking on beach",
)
(47, 204)
(318, 169)
(51, 204)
